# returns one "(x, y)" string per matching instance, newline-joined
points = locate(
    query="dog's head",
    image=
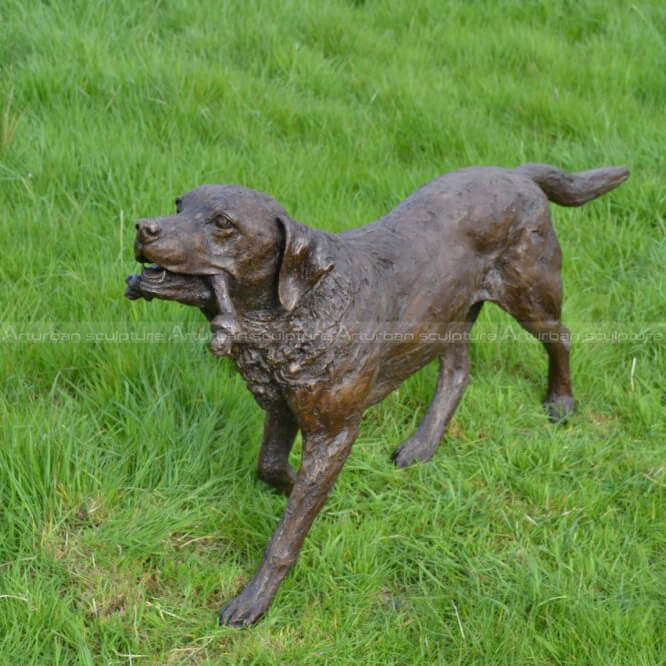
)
(244, 233)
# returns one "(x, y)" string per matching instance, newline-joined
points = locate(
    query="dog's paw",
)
(220, 344)
(560, 408)
(412, 450)
(281, 479)
(243, 611)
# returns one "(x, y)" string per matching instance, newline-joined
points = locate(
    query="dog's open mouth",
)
(147, 283)
(153, 273)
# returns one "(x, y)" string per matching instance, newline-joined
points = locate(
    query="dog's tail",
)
(573, 189)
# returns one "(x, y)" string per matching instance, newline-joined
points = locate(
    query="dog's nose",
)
(147, 230)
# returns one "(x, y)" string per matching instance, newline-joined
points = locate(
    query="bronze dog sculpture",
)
(304, 313)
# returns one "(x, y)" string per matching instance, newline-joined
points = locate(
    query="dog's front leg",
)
(280, 429)
(323, 458)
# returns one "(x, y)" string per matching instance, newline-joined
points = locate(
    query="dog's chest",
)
(273, 359)
(280, 352)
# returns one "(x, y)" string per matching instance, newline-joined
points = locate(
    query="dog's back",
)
(473, 235)
(454, 234)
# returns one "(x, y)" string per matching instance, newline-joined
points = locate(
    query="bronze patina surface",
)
(323, 325)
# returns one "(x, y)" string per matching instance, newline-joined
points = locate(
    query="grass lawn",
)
(129, 507)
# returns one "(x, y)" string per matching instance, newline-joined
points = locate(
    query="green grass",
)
(129, 508)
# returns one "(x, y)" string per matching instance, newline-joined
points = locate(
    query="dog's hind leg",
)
(535, 300)
(451, 384)
(559, 402)
(280, 429)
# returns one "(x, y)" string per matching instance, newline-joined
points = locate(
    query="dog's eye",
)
(222, 222)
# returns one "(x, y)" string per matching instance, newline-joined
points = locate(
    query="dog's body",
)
(322, 325)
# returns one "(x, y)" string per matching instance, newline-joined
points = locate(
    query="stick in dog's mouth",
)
(155, 281)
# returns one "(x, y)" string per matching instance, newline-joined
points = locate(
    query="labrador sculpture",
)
(305, 313)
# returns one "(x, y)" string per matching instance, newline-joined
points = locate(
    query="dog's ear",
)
(305, 259)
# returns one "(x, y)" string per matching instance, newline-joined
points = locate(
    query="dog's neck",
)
(324, 305)
(259, 297)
